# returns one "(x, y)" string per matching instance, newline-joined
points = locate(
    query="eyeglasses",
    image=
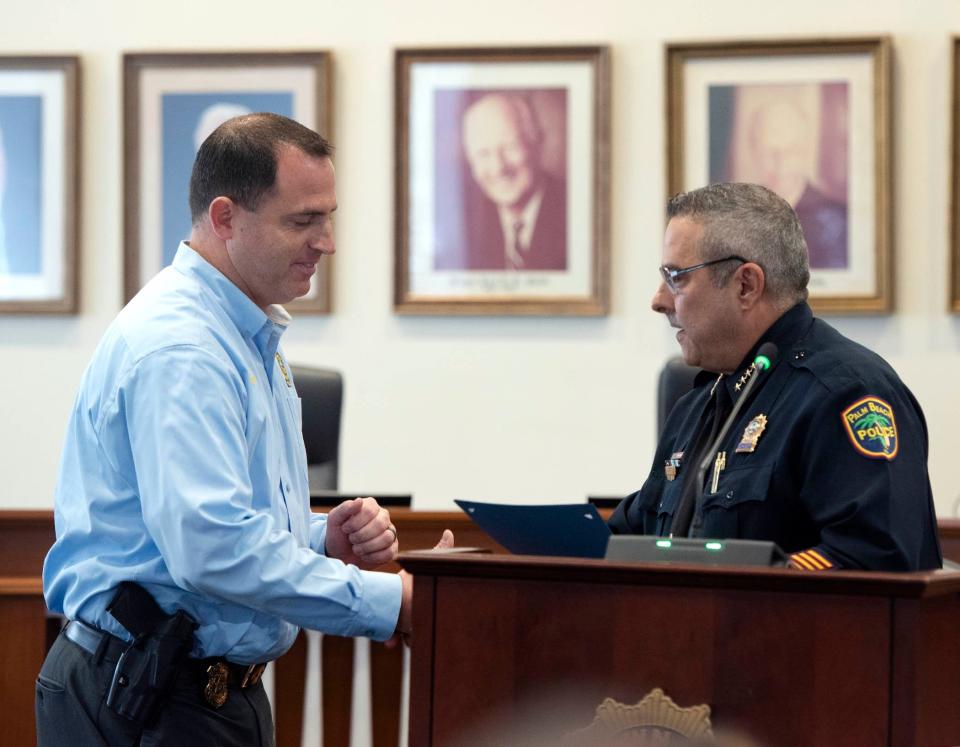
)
(670, 276)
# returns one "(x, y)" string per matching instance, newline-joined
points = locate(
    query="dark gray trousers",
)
(72, 712)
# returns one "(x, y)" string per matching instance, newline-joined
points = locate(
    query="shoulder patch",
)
(872, 428)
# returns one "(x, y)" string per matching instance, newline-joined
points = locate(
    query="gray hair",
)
(752, 222)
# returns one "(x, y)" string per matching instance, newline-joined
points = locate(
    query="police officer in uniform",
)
(828, 456)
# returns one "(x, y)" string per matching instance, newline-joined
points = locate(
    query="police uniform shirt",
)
(828, 458)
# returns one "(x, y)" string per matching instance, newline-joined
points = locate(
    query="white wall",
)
(531, 409)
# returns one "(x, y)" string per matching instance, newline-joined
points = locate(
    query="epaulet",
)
(833, 360)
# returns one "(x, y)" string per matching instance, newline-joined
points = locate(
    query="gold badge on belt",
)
(215, 692)
(751, 434)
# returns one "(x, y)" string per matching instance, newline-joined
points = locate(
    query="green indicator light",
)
(664, 543)
(762, 362)
(714, 546)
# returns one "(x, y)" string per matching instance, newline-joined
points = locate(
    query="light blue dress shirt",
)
(184, 470)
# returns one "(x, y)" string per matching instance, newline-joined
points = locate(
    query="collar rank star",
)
(746, 377)
(283, 370)
(672, 465)
(751, 434)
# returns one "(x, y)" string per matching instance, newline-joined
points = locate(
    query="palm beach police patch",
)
(872, 428)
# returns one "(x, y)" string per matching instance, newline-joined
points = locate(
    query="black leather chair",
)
(676, 379)
(321, 391)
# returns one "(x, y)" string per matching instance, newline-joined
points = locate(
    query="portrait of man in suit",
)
(20, 177)
(792, 138)
(4, 263)
(499, 207)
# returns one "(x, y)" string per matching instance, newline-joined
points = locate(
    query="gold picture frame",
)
(171, 101)
(39, 185)
(502, 181)
(810, 119)
(954, 282)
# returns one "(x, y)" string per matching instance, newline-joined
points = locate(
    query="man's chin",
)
(292, 293)
(690, 355)
(511, 199)
(300, 291)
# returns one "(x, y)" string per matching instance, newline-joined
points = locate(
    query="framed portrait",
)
(502, 177)
(172, 102)
(955, 184)
(39, 184)
(811, 121)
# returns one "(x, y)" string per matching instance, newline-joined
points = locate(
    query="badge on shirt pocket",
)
(751, 434)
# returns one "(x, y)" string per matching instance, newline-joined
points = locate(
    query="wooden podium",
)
(791, 659)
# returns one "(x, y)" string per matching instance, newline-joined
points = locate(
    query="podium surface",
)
(793, 659)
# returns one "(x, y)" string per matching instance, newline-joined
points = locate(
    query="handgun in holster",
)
(146, 670)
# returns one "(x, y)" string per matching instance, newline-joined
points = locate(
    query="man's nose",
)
(324, 242)
(502, 162)
(662, 301)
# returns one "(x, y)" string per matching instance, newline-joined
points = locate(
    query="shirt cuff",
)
(379, 609)
(318, 533)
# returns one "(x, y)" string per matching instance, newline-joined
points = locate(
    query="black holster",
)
(146, 670)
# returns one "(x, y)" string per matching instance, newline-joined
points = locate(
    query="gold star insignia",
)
(745, 377)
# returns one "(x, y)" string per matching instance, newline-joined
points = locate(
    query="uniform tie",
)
(711, 420)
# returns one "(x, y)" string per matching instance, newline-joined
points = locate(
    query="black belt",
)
(90, 640)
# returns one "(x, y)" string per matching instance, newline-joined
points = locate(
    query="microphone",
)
(763, 361)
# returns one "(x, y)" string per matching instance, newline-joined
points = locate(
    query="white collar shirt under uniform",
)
(184, 470)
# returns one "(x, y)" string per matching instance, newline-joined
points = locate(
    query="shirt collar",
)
(785, 332)
(243, 312)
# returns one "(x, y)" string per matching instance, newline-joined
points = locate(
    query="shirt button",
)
(728, 498)
(800, 355)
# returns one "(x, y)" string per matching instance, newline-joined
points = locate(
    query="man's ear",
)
(222, 214)
(751, 283)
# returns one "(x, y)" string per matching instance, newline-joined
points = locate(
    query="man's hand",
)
(404, 622)
(359, 532)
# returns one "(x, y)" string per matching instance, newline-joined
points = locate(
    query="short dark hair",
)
(752, 222)
(239, 159)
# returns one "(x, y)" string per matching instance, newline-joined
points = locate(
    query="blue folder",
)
(569, 529)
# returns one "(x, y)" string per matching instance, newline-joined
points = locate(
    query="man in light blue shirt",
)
(184, 467)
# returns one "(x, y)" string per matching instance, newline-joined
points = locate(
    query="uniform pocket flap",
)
(740, 485)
